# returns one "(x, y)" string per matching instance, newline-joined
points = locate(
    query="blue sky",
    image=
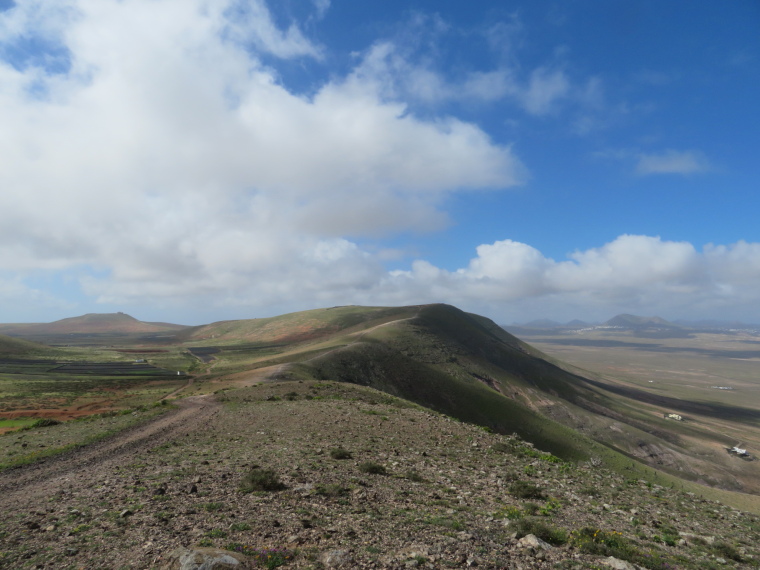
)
(198, 160)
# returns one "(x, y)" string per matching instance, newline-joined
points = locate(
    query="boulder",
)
(336, 559)
(618, 564)
(532, 541)
(205, 559)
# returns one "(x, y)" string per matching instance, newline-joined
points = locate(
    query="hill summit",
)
(632, 321)
(90, 323)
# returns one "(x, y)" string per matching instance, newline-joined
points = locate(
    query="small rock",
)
(125, 513)
(205, 559)
(336, 558)
(159, 491)
(471, 561)
(193, 489)
(618, 564)
(532, 541)
(71, 552)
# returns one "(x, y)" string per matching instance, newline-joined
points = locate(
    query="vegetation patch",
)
(264, 557)
(547, 533)
(372, 468)
(261, 480)
(340, 453)
(526, 490)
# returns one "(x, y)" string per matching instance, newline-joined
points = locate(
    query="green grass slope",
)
(14, 347)
(466, 366)
(297, 327)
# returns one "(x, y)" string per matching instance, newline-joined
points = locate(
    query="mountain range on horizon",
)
(629, 321)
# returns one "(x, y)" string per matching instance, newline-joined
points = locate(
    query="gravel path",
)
(80, 468)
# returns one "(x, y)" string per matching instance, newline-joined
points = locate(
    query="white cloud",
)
(630, 274)
(544, 90)
(322, 7)
(168, 157)
(672, 162)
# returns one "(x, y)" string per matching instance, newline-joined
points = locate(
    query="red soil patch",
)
(61, 414)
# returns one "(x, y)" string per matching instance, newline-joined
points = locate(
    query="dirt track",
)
(21, 486)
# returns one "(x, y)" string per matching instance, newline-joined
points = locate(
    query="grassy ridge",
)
(10, 346)
(297, 327)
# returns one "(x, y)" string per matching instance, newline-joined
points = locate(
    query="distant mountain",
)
(634, 322)
(575, 323)
(542, 324)
(716, 324)
(91, 323)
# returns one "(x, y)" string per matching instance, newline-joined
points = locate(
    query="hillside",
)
(633, 321)
(14, 347)
(328, 475)
(296, 327)
(468, 367)
(91, 323)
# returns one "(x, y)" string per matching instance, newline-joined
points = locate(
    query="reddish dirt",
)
(22, 486)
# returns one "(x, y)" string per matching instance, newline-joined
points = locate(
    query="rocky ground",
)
(319, 475)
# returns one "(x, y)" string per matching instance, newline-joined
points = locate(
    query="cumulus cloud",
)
(672, 162)
(632, 273)
(152, 154)
(149, 143)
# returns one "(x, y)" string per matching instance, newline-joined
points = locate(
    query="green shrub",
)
(525, 490)
(530, 509)
(340, 453)
(413, 475)
(216, 533)
(240, 526)
(331, 490)
(44, 422)
(372, 468)
(725, 550)
(545, 532)
(261, 480)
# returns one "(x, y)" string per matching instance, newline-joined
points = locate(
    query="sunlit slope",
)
(14, 347)
(297, 327)
(91, 323)
(466, 366)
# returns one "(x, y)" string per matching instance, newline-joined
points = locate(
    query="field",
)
(711, 368)
(712, 381)
(80, 382)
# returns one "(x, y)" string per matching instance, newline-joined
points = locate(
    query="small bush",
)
(525, 490)
(501, 447)
(216, 533)
(261, 480)
(545, 532)
(598, 542)
(530, 509)
(372, 468)
(413, 475)
(340, 453)
(725, 550)
(331, 490)
(240, 526)
(44, 422)
(290, 396)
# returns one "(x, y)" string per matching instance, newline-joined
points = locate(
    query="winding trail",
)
(22, 486)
